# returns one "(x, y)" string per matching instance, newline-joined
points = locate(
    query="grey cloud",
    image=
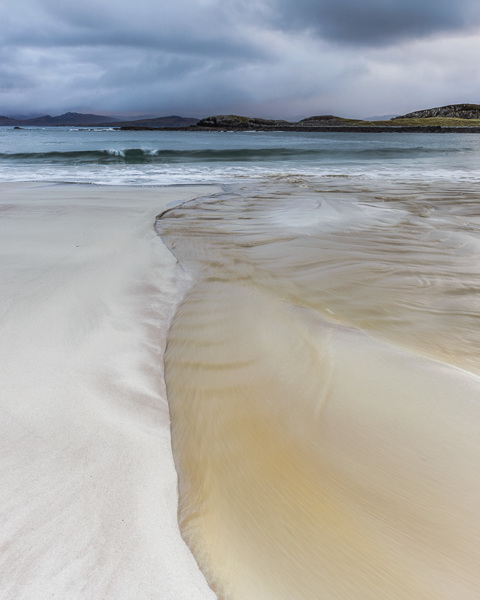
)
(132, 52)
(190, 26)
(204, 56)
(375, 22)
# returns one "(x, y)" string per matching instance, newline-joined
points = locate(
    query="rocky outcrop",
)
(458, 111)
(237, 122)
(323, 120)
(325, 123)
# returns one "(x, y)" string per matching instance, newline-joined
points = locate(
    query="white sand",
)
(88, 498)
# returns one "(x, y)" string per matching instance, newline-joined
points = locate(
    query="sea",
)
(323, 364)
(109, 156)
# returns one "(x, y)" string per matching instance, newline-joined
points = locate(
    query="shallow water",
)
(322, 376)
(399, 261)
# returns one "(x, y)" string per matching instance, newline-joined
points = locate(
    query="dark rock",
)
(458, 111)
(323, 120)
(237, 122)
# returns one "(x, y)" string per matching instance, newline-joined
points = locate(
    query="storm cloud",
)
(279, 58)
(377, 22)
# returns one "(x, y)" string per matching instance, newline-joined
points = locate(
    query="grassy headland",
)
(420, 122)
(411, 122)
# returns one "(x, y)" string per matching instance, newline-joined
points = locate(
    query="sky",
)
(269, 58)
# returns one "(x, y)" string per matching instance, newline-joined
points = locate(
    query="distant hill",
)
(69, 118)
(7, 121)
(23, 116)
(90, 120)
(239, 122)
(332, 123)
(159, 122)
(457, 111)
(454, 117)
(123, 118)
(320, 120)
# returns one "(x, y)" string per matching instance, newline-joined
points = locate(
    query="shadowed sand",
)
(88, 497)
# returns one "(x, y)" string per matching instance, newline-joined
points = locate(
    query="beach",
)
(239, 365)
(89, 491)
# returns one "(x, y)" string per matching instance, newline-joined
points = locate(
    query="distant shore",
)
(453, 118)
(325, 123)
(320, 129)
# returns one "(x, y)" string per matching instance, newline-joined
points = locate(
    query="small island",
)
(458, 118)
(454, 118)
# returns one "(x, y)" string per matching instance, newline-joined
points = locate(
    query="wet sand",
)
(322, 376)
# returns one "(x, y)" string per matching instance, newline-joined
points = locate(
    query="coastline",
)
(320, 129)
(89, 498)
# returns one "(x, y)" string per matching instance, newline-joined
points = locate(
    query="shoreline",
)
(319, 129)
(293, 128)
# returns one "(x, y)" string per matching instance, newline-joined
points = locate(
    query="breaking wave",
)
(165, 156)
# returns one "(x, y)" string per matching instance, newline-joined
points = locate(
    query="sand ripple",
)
(325, 436)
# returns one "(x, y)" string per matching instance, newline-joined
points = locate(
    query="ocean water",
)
(323, 367)
(106, 156)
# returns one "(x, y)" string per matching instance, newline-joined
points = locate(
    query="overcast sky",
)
(279, 58)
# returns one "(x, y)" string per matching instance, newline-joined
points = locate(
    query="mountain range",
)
(452, 115)
(85, 120)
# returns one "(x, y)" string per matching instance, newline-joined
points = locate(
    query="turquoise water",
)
(173, 157)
